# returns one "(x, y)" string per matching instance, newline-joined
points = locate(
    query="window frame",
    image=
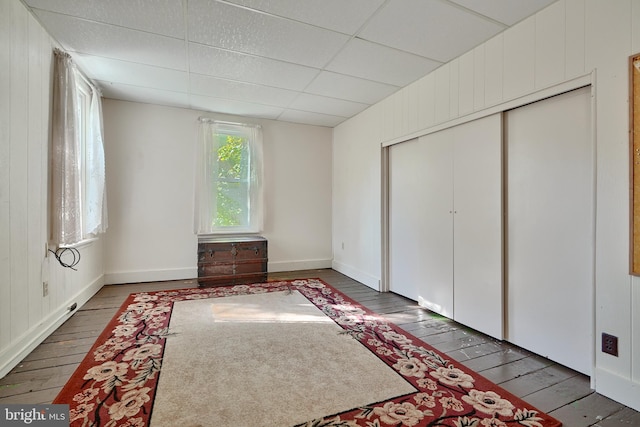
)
(83, 103)
(206, 189)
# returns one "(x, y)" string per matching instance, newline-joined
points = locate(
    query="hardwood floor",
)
(555, 389)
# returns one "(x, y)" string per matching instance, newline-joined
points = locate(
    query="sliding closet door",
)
(404, 217)
(435, 289)
(420, 221)
(550, 228)
(477, 224)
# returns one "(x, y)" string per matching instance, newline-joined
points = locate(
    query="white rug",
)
(270, 359)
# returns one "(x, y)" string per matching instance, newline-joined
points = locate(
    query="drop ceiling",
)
(307, 61)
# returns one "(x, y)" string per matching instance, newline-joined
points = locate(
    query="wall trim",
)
(617, 388)
(309, 264)
(557, 89)
(366, 279)
(385, 285)
(17, 351)
(141, 276)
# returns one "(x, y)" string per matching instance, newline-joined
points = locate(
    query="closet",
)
(445, 223)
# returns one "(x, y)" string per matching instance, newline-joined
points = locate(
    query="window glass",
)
(232, 184)
(229, 179)
(84, 98)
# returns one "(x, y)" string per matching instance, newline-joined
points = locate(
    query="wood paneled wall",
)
(545, 49)
(568, 40)
(26, 315)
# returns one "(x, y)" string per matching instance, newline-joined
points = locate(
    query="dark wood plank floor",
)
(555, 389)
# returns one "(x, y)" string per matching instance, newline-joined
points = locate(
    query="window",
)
(78, 201)
(83, 95)
(90, 160)
(229, 178)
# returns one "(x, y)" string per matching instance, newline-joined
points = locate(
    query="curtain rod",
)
(82, 75)
(204, 119)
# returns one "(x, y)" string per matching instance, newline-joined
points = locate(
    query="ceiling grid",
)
(308, 61)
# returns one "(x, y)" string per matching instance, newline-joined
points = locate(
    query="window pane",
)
(232, 181)
(233, 157)
(82, 104)
(232, 209)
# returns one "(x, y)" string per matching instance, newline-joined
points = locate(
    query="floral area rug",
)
(115, 384)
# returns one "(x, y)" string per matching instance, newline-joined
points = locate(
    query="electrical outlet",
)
(45, 289)
(610, 344)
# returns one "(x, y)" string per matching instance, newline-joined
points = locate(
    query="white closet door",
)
(435, 288)
(550, 228)
(477, 201)
(404, 217)
(420, 221)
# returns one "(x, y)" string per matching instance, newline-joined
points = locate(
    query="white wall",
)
(150, 157)
(357, 197)
(567, 40)
(26, 316)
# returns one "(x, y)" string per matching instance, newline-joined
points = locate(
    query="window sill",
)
(230, 233)
(81, 244)
(211, 238)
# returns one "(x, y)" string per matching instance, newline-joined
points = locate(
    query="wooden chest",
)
(232, 260)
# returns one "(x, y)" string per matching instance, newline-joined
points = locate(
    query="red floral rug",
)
(116, 383)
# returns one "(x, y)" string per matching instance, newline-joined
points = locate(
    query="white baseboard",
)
(365, 278)
(139, 276)
(12, 355)
(120, 277)
(618, 388)
(309, 264)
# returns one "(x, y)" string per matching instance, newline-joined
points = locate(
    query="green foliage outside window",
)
(232, 181)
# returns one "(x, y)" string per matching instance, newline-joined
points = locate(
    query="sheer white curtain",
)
(66, 205)
(206, 168)
(78, 196)
(96, 196)
(256, 200)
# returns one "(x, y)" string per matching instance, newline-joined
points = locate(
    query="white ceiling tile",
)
(351, 88)
(322, 104)
(238, 108)
(383, 64)
(240, 91)
(250, 57)
(156, 16)
(429, 28)
(311, 118)
(131, 73)
(236, 28)
(254, 69)
(337, 15)
(143, 94)
(506, 11)
(115, 42)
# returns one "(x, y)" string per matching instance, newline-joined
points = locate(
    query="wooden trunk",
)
(232, 260)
